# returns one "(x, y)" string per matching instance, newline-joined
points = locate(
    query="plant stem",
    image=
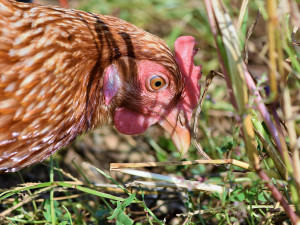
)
(53, 219)
(272, 22)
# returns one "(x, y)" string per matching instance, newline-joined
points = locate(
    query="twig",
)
(208, 81)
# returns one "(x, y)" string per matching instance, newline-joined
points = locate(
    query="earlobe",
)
(111, 83)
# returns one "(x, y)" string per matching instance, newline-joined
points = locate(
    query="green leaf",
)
(63, 223)
(124, 219)
(47, 212)
(241, 196)
(116, 211)
(237, 195)
(119, 214)
(128, 201)
(261, 197)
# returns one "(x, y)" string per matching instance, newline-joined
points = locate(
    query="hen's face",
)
(152, 97)
(145, 92)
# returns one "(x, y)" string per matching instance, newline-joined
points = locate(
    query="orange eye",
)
(157, 82)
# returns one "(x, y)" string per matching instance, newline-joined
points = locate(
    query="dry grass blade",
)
(178, 182)
(191, 185)
(233, 162)
(273, 28)
(276, 207)
(243, 11)
(114, 166)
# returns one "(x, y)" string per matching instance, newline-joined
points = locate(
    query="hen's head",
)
(145, 92)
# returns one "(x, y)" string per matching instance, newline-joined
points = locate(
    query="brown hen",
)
(64, 71)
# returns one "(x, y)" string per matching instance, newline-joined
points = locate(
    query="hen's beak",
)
(177, 127)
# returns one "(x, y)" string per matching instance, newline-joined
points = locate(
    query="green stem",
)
(53, 219)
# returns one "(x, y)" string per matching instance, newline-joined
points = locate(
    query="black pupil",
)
(157, 83)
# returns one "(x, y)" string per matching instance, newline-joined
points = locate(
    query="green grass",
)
(225, 131)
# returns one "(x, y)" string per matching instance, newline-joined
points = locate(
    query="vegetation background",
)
(65, 190)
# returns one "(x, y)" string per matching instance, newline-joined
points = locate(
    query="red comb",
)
(184, 55)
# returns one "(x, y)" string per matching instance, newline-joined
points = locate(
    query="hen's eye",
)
(157, 82)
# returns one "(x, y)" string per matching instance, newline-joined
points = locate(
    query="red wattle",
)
(130, 122)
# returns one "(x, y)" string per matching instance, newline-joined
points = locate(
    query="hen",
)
(64, 72)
